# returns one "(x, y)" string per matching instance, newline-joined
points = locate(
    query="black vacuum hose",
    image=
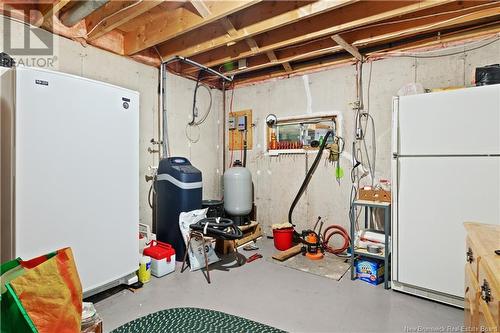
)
(224, 229)
(308, 178)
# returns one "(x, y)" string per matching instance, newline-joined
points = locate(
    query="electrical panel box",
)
(232, 123)
(242, 123)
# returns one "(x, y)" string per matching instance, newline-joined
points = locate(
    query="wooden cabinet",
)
(482, 278)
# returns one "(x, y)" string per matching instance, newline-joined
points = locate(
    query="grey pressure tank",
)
(238, 194)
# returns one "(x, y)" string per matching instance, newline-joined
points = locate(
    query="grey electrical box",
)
(242, 123)
(232, 123)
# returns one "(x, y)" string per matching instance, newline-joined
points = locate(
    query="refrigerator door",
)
(435, 196)
(77, 173)
(457, 122)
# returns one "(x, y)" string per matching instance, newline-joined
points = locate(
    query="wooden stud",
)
(271, 56)
(288, 68)
(201, 8)
(348, 47)
(177, 22)
(252, 44)
(114, 14)
(275, 17)
(228, 25)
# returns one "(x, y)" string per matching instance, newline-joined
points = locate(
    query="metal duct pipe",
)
(200, 66)
(81, 10)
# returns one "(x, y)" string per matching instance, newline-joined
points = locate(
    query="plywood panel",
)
(236, 138)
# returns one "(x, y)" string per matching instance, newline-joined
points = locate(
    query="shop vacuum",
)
(178, 187)
(314, 243)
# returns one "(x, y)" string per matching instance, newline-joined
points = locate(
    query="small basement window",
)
(295, 134)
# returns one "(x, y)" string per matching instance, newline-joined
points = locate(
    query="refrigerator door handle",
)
(395, 126)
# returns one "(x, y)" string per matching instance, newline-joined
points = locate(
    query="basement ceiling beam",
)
(201, 8)
(177, 22)
(348, 47)
(273, 17)
(451, 37)
(371, 36)
(343, 19)
(114, 14)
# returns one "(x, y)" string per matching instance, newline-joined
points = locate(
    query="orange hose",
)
(337, 230)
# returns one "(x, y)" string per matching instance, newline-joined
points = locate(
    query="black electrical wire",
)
(223, 229)
(194, 97)
(308, 178)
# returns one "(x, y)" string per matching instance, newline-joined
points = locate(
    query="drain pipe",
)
(163, 99)
(163, 102)
(223, 126)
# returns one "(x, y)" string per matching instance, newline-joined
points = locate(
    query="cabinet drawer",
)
(489, 293)
(471, 301)
(471, 256)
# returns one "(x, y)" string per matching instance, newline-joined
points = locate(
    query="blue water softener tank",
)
(178, 189)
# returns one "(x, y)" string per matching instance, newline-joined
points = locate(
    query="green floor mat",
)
(193, 320)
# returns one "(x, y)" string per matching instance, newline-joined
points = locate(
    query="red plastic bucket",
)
(283, 238)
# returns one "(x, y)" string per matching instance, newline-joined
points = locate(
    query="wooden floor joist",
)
(276, 38)
(350, 17)
(203, 41)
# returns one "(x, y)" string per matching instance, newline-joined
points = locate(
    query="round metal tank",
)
(238, 191)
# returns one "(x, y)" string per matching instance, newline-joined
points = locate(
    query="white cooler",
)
(162, 258)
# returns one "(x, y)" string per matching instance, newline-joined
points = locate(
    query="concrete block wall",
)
(277, 179)
(90, 62)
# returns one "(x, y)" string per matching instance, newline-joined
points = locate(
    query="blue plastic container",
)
(178, 189)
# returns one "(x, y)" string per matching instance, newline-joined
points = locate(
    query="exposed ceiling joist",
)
(203, 41)
(50, 9)
(348, 47)
(177, 22)
(469, 33)
(201, 8)
(345, 18)
(114, 14)
(368, 36)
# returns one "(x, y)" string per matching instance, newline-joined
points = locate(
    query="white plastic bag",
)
(196, 256)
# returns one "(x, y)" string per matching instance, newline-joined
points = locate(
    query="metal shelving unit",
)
(368, 206)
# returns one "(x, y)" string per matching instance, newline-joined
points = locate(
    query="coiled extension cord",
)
(221, 228)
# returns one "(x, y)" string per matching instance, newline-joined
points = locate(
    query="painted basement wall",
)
(94, 63)
(277, 179)
(204, 149)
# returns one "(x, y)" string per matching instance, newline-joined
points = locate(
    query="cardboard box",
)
(374, 195)
(370, 270)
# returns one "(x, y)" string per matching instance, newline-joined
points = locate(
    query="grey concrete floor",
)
(281, 297)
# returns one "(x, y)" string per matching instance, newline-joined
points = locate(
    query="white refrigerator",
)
(70, 172)
(445, 171)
